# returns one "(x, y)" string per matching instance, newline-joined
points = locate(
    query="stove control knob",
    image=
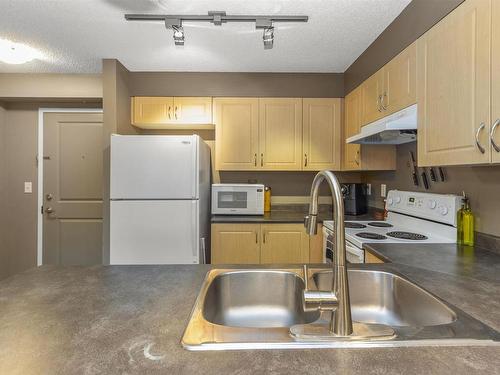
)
(431, 204)
(390, 201)
(397, 199)
(443, 210)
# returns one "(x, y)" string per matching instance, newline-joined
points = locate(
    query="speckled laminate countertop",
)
(130, 319)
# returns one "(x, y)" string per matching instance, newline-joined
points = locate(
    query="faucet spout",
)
(341, 322)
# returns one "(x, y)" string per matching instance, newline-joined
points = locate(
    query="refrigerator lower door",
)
(154, 232)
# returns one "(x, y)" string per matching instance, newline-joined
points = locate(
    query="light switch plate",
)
(383, 190)
(28, 187)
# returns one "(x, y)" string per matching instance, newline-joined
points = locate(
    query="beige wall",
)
(3, 201)
(482, 184)
(54, 86)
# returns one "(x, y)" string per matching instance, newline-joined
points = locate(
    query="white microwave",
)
(237, 199)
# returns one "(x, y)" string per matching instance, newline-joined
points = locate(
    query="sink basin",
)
(385, 298)
(262, 309)
(256, 299)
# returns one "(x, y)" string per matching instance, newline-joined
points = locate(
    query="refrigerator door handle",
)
(203, 251)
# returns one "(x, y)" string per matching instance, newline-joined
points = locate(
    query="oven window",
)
(232, 199)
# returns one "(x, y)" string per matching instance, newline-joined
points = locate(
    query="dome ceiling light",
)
(174, 22)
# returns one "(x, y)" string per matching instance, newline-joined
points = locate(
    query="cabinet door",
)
(371, 92)
(193, 110)
(352, 126)
(235, 244)
(370, 258)
(453, 93)
(400, 81)
(152, 110)
(495, 99)
(321, 135)
(280, 134)
(284, 243)
(236, 133)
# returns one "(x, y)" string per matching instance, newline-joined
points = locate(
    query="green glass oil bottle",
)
(465, 223)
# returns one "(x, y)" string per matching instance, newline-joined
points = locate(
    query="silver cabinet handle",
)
(478, 144)
(169, 112)
(379, 105)
(492, 135)
(255, 159)
(384, 107)
(256, 238)
(356, 159)
(175, 112)
(305, 160)
(261, 160)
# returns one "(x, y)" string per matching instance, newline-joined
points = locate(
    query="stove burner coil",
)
(380, 224)
(352, 225)
(407, 236)
(371, 236)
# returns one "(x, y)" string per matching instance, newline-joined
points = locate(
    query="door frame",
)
(39, 227)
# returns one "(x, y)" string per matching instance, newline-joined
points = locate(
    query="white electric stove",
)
(413, 217)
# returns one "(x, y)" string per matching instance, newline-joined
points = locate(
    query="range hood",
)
(395, 129)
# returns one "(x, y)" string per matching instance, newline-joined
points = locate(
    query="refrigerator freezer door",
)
(154, 232)
(154, 167)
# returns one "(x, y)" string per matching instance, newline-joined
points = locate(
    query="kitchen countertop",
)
(130, 319)
(290, 214)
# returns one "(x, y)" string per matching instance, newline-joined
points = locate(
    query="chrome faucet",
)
(338, 298)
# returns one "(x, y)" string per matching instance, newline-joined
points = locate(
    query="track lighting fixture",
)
(217, 18)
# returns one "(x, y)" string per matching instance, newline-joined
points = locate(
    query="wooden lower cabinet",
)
(264, 243)
(370, 258)
(235, 243)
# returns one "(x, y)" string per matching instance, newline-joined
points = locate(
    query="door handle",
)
(49, 197)
(264, 237)
(356, 159)
(175, 112)
(50, 210)
(305, 160)
(492, 135)
(256, 238)
(478, 144)
(169, 112)
(379, 105)
(255, 159)
(384, 95)
(261, 160)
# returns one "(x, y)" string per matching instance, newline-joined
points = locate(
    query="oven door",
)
(353, 253)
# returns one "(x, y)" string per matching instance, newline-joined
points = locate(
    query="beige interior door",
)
(72, 188)
(495, 98)
(284, 243)
(453, 75)
(236, 133)
(280, 133)
(322, 131)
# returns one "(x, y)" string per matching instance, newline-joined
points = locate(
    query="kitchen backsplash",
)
(482, 185)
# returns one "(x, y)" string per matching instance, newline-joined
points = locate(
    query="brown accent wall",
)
(418, 17)
(314, 85)
(482, 184)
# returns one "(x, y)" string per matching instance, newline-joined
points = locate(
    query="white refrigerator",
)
(160, 196)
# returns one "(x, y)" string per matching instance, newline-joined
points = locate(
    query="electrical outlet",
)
(28, 187)
(383, 190)
(368, 189)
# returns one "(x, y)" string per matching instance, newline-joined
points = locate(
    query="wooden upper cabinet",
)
(352, 125)
(453, 93)
(193, 110)
(235, 244)
(236, 133)
(284, 243)
(280, 133)
(171, 112)
(321, 135)
(152, 110)
(495, 87)
(400, 81)
(371, 95)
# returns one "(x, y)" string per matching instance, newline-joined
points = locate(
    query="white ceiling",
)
(75, 35)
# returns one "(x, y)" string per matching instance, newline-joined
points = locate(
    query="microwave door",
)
(232, 200)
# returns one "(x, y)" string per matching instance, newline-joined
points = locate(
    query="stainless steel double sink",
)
(256, 309)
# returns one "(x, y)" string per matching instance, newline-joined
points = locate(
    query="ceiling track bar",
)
(210, 18)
